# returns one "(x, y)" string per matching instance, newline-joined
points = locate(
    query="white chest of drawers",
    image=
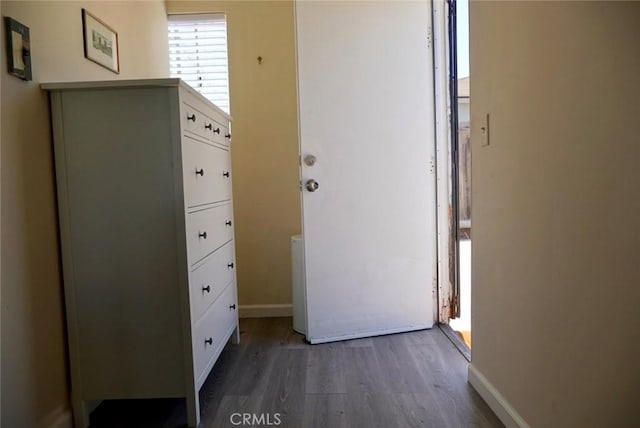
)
(146, 229)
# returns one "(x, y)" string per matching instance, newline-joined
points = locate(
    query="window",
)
(198, 54)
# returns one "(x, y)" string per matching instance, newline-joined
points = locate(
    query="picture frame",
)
(18, 48)
(100, 42)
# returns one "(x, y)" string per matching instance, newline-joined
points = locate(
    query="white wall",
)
(556, 275)
(34, 368)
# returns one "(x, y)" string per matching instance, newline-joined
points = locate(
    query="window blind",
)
(198, 54)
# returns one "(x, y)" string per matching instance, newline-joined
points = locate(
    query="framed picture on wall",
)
(18, 48)
(100, 42)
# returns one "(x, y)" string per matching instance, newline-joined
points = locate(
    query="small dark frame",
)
(19, 56)
(102, 47)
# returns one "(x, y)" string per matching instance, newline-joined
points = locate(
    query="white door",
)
(366, 105)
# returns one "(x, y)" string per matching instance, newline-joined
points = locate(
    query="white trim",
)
(189, 16)
(265, 311)
(500, 406)
(368, 334)
(60, 417)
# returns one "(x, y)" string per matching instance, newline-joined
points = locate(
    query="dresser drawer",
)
(208, 230)
(210, 332)
(207, 178)
(193, 121)
(223, 137)
(208, 280)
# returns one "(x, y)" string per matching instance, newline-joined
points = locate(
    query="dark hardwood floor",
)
(413, 379)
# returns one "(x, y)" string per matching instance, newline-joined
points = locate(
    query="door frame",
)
(448, 295)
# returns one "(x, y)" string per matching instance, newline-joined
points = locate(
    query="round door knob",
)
(312, 185)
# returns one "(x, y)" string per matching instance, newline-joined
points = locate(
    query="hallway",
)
(414, 379)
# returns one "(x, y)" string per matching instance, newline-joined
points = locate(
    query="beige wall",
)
(556, 274)
(265, 142)
(34, 372)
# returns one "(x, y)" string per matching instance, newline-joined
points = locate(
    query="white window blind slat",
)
(198, 54)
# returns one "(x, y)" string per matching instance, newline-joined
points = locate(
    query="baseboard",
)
(500, 406)
(265, 311)
(59, 418)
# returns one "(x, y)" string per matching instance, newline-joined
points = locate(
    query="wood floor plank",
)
(400, 369)
(369, 408)
(285, 392)
(365, 342)
(418, 410)
(255, 362)
(326, 410)
(363, 371)
(326, 370)
(269, 331)
(422, 337)
(444, 370)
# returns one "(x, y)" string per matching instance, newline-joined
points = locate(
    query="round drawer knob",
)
(207, 289)
(228, 223)
(227, 136)
(192, 117)
(200, 172)
(202, 235)
(208, 341)
(230, 265)
(225, 174)
(232, 306)
(209, 126)
(217, 130)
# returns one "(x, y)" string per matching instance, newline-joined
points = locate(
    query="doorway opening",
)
(451, 36)
(462, 179)
(462, 324)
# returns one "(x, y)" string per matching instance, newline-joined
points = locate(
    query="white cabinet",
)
(146, 229)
